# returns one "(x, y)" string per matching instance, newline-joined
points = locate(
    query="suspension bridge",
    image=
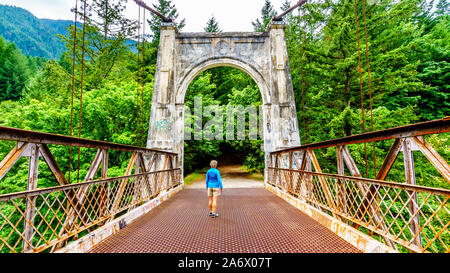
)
(298, 207)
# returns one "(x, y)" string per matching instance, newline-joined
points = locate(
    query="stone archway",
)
(183, 56)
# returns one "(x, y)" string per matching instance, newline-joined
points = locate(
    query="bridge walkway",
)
(251, 220)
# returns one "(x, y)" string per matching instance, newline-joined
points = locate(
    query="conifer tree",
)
(107, 32)
(14, 71)
(267, 13)
(166, 8)
(212, 25)
(108, 17)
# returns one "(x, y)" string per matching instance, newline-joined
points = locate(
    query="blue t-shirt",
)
(213, 179)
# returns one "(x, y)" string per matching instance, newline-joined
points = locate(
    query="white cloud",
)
(51, 9)
(232, 15)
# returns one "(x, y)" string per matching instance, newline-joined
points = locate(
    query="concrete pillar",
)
(284, 114)
(163, 116)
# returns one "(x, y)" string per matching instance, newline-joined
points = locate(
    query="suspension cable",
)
(301, 69)
(73, 86)
(307, 87)
(361, 86)
(143, 81)
(138, 76)
(370, 90)
(81, 89)
(280, 17)
(143, 5)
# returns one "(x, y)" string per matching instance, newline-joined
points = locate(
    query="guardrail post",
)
(411, 179)
(28, 231)
(341, 194)
(290, 188)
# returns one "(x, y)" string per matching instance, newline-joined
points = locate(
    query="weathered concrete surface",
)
(183, 56)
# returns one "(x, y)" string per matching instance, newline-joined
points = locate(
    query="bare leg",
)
(214, 204)
(211, 200)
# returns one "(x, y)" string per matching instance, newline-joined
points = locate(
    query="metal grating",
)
(251, 221)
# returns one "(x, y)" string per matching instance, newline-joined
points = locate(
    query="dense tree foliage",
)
(15, 70)
(267, 13)
(408, 44)
(408, 55)
(223, 86)
(34, 37)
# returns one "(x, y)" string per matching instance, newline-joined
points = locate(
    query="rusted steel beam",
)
(302, 167)
(435, 159)
(105, 189)
(323, 181)
(143, 5)
(30, 211)
(341, 189)
(154, 165)
(36, 192)
(15, 154)
(76, 202)
(419, 129)
(144, 169)
(123, 183)
(165, 175)
(412, 204)
(368, 192)
(105, 157)
(349, 162)
(280, 17)
(13, 134)
(403, 186)
(340, 160)
(53, 165)
(58, 174)
(390, 159)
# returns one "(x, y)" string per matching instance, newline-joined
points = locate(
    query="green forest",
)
(35, 37)
(408, 48)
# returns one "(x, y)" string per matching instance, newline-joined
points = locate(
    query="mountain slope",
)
(35, 37)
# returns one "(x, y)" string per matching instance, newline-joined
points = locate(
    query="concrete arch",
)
(183, 56)
(200, 67)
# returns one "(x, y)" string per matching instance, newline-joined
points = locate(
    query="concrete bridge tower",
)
(183, 56)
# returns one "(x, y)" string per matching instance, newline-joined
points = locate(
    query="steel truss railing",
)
(401, 215)
(344, 196)
(46, 219)
(52, 208)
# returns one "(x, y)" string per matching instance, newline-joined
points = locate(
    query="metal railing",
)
(54, 207)
(46, 219)
(404, 216)
(381, 207)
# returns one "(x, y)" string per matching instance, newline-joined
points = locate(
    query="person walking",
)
(214, 187)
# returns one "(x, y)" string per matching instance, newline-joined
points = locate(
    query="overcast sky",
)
(232, 15)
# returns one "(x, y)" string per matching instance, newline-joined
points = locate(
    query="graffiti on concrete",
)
(164, 125)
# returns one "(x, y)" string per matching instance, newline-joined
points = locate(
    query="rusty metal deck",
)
(251, 221)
